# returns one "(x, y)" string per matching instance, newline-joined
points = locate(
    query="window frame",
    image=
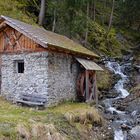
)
(17, 66)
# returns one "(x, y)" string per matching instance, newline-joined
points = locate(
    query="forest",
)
(111, 29)
(96, 24)
(93, 23)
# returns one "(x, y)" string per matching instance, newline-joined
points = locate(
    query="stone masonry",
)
(49, 74)
(62, 75)
(32, 81)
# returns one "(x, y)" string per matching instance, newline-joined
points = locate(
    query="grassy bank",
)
(13, 118)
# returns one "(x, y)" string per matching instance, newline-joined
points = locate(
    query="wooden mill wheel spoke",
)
(81, 88)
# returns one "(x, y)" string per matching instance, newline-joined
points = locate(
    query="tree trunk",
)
(86, 35)
(54, 20)
(104, 14)
(94, 15)
(42, 12)
(111, 16)
(139, 27)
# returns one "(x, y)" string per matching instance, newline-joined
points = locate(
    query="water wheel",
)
(81, 85)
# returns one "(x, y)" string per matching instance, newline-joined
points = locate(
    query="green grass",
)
(104, 80)
(11, 115)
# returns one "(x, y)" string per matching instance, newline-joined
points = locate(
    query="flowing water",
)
(118, 69)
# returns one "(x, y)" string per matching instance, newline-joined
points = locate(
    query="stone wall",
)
(32, 81)
(62, 77)
(50, 74)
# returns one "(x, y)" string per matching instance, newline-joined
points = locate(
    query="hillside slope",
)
(113, 45)
(15, 10)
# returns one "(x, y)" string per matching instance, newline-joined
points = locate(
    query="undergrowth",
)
(15, 9)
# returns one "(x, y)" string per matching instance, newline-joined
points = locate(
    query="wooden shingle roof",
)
(89, 64)
(47, 38)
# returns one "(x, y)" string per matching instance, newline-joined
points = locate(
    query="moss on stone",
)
(104, 80)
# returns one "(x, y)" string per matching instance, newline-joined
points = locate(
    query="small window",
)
(20, 66)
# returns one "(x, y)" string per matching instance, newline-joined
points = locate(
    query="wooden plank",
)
(87, 86)
(18, 43)
(7, 40)
(92, 93)
(17, 38)
(34, 95)
(29, 103)
(35, 99)
(27, 34)
(95, 91)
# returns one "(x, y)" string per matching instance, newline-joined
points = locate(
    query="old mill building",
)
(35, 61)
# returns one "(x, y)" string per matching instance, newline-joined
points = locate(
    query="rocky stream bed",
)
(121, 108)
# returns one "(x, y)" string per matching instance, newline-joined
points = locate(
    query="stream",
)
(123, 124)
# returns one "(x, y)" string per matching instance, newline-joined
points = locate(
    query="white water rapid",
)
(118, 135)
(122, 93)
(117, 69)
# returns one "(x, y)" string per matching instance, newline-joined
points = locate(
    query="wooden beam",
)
(17, 38)
(7, 40)
(87, 85)
(2, 25)
(28, 34)
(95, 90)
(92, 96)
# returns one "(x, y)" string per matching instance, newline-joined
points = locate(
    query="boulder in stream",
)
(136, 132)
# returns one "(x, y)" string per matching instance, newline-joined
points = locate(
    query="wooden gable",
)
(12, 41)
(47, 39)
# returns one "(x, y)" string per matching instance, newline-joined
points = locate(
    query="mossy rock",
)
(104, 80)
